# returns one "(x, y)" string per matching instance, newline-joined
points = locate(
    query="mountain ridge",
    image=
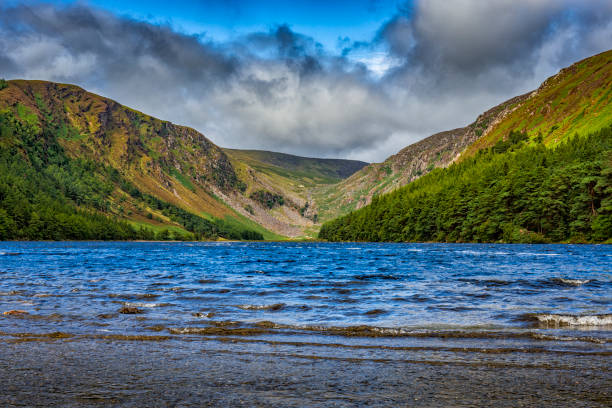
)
(582, 86)
(539, 170)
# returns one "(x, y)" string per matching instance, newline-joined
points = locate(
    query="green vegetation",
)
(267, 199)
(44, 194)
(577, 100)
(200, 227)
(240, 221)
(512, 192)
(182, 179)
(121, 174)
(304, 170)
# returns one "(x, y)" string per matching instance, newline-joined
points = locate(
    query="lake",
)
(304, 324)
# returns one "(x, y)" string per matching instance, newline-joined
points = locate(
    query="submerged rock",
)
(15, 313)
(130, 310)
(375, 312)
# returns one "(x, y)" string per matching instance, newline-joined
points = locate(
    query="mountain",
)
(536, 168)
(407, 165)
(109, 165)
(291, 178)
(73, 158)
(311, 171)
(577, 99)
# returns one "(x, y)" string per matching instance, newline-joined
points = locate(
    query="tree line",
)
(516, 191)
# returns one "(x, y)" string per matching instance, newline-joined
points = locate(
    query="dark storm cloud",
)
(470, 38)
(433, 66)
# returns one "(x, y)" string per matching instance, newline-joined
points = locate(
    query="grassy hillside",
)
(515, 191)
(412, 162)
(304, 170)
(577, 99)
(442, 206)
(114, 166)
(92, 156)
(281, 186)
(168, 166)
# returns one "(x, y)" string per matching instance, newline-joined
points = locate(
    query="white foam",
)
(554, 320)
(188, 330)
(471, 252)
(141, 304)
(573, 282)
(276, 306)
(535, 254)
(567, 338)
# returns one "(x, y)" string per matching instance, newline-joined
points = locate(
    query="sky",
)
(356, 79)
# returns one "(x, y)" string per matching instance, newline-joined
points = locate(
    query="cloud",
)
(496, 40)
(433, 66)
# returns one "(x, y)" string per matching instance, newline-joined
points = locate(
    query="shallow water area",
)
(306, 310)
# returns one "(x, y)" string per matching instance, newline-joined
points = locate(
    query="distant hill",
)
(271, 178)
(306, 169)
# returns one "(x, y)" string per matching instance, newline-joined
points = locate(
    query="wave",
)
(366, 331)
(547, 320)
(472, 252)
(376, 276)
(536, 254)
(536, 284)
(274, 307)
(220, 331)
(375, 312)
(207, 281)
(12, 293)
(133, 295)
(487, 282)
(382, 332)
(144, 304)
(570, 282)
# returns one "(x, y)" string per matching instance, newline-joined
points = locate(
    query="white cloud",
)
(429, 70)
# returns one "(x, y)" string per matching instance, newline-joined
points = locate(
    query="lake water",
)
(348, 324)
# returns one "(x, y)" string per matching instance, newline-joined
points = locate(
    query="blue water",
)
(80, 287)
(304, 324)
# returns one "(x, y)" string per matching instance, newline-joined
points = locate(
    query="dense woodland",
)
(516, 191)
(46, 195)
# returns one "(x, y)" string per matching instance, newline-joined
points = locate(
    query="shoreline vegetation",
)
(518, 191)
